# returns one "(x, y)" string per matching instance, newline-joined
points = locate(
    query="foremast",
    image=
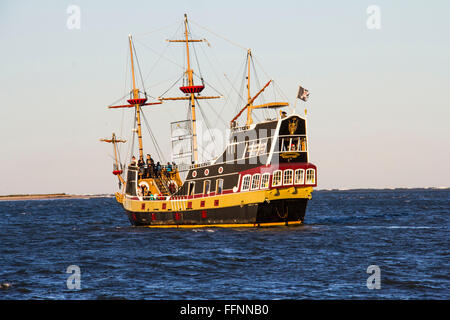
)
(136, 101)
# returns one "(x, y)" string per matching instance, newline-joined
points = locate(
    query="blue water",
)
(404, 232)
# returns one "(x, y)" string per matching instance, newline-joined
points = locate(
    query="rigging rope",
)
(205, 119)
(217, 35)
(195, 54)
(281, 91)
(162, 54)
(152, 136)
(200, 146)
(231, 84)
(214, 70)
(259, 85)
(171, 86)
(139, 67)
(133, 131)
(156, 52)
(159, 29)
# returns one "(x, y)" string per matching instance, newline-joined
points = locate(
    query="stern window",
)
(255, 181)
(265, 180)
(288, 176)
(299, 176)
(276, 179)
(246, 183)
(310, 176)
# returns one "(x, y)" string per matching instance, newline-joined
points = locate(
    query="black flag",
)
(303, 94)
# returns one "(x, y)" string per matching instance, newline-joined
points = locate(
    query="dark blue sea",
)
(404, 232)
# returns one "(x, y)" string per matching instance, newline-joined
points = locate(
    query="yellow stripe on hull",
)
(230, 225)
(225, 200)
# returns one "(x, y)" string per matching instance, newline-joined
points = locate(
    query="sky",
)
(377, 114)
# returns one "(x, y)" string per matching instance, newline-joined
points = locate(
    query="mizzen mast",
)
(249, 106)
(249, 98)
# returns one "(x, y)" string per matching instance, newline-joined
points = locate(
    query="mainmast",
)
(190, 90)
(190, 73)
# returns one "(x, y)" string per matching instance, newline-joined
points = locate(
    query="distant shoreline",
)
(53, 196)
(50, 196)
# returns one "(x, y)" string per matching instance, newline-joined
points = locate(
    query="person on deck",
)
(141, 167)
(169, 168)
(133, 161)
(158, 169)
(149, 166)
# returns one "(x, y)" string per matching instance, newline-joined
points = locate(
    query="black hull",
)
(279, 212)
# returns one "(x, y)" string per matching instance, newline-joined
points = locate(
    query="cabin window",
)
(246, 183)
(219, 186)
(191, 188)
(299, 176)
(255, 181)
(310, 176)
(288, 176)
(265, 180)
(276, 179)
(206, 186)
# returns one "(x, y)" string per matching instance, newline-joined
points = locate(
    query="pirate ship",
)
(263, 176)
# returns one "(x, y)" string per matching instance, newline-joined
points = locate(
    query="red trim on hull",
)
(283, 166)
